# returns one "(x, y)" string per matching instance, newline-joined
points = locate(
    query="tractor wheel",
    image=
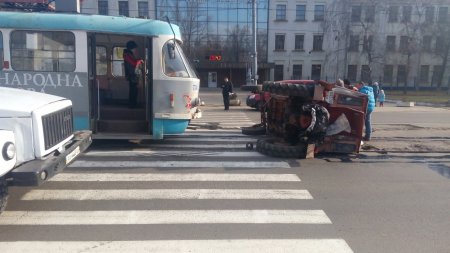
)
(3, 194)
(254, 130)
(278, 148)
(305, 91)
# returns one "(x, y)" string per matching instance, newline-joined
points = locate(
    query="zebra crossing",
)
(186, 194)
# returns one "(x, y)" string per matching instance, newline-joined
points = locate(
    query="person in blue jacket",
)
(363, 88)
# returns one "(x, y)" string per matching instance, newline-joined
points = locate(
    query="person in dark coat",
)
(227, 88)
(131, 63)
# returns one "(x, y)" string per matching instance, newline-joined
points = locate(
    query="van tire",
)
(274, 147)
(3, 194)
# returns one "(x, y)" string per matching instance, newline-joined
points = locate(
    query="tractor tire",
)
(304, 91)
(254, 130)
(274, 147)
(3, 194)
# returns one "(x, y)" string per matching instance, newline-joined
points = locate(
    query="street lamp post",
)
(255, 52)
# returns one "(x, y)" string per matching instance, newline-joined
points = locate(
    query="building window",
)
(43, 51)
(401, 74)
(429, 14)
(440, 44)
(300, 13)
(281, 12)
(390, 43)
(443, 15)
(404, 44)
(299, 41)
(123, 9)
(368, 42)
(354, 43)
(352, 71)
(297, 71)
(317, 42)
(424, 73)
(356, 13)
(388, 72)
(319, 12)
(393, 14)
(407, 12)
(370, 14)
(279, 75)
(426, 43)
(143, 9)
(436, 74)
(365, 73)
(103, 7)
(279, 42)
(316, 71)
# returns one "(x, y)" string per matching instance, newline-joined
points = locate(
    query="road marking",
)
(135, 217)
(179, 164)
(184, 246)
(215, 139)
(174, 177)
(144, 194)
(137, 153)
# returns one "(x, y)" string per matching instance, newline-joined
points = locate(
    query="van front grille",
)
(57, 126)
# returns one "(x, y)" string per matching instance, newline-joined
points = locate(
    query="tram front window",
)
(175, 62)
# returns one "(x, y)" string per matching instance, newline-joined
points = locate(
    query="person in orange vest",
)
(132, 71)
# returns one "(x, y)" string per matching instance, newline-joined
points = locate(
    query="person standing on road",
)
(363, 88)
(227, 88)
(131, 64)
(376, 91)
(381, 98)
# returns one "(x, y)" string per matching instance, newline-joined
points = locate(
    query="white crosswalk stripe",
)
(184, 246)
(166, 194)
(194, 171)
(173, 177)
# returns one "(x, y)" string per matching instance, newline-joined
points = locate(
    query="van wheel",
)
(3, 194)
(278, 148)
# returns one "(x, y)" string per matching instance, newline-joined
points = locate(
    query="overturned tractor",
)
(301, 118)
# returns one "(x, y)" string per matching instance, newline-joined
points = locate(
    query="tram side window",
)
(117, 65)
(1, 50)
(173, 61)
(101, 60)
(43, 51)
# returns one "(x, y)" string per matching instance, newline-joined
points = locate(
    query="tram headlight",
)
(9, 151)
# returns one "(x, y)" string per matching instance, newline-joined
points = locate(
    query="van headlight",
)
(9, 151)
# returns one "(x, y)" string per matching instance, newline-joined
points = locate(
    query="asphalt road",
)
(205, 192)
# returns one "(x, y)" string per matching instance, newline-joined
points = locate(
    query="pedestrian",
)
(132, 67)
(376, 91)
(227, 88)
(381, 98)
(363, 88)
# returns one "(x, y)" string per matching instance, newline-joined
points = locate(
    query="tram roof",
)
(85, 22)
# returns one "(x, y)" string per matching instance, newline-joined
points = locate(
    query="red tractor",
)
(304, 117)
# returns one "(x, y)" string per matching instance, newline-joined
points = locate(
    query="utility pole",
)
(255, 51)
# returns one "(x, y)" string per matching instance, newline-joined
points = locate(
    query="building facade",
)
(398, 43)
(296, 39)
(216, 33)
